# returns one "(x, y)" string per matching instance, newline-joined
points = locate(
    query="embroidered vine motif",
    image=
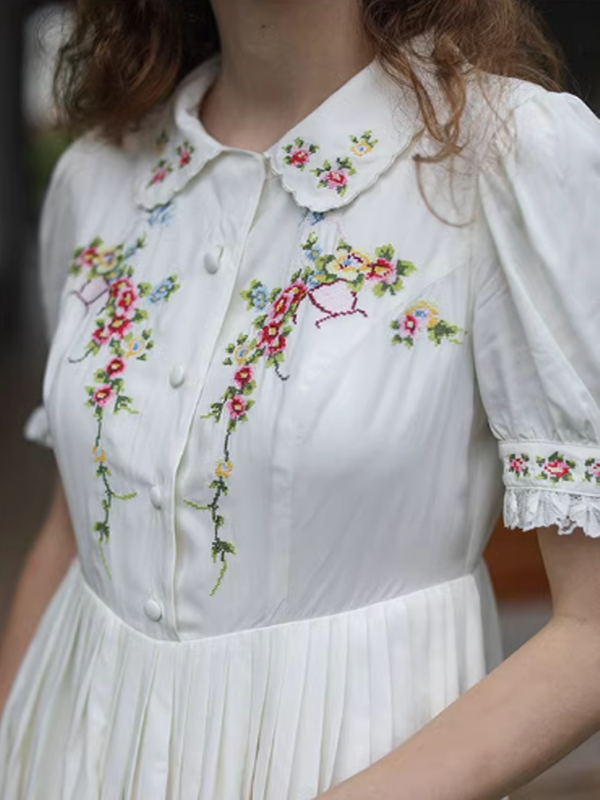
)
(592, 472)
(119, 329)
(165, 166)
(361, 145)
(331, 282)
(299, 153)
(422, 317)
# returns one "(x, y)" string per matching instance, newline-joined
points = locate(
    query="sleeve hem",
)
(541, 508)
(37, 428)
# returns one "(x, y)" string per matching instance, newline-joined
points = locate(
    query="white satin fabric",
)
(286, 400)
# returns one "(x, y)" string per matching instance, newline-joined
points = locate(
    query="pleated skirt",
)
(99, 711)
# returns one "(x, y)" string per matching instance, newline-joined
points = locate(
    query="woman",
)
(321, 291)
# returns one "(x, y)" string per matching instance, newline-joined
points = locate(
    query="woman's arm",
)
(51, 554)
(527, 714)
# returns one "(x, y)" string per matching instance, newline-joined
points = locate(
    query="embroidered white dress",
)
(286, 400)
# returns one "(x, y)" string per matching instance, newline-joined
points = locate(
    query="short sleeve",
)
(53, 257)
(536, 326)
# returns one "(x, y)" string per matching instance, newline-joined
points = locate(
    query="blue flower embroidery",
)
(162, 291)
(260, 297)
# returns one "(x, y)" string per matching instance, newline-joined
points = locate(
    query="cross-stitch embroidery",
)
(331, 282)
(119, 328)
(182, 154)
(361, 145)
(423, 317)
(335, 178)
(553, 468)
(299, 153)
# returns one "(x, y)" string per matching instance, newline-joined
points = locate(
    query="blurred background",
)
(30, 33)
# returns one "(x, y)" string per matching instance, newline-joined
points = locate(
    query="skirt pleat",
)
(100, 711)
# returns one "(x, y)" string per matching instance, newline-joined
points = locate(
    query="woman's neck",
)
(280, 60)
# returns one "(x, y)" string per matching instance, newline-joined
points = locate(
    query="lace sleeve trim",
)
(539, 508)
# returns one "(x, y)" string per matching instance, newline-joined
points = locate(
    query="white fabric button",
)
(177, 376)
(156, 496)
(212, 262)
(153, 610)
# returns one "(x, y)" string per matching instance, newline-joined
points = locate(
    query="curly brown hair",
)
(123, 58)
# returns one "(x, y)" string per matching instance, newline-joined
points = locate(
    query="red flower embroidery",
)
(335, 179)
(557, 468)
(295, 291)
(381, 270)
(409, 325)
(160, 175)
(119, 325)
(268, 334)
(236, 406)
(278, 345)
(299, 157)
(115, 367)
(243, 376)
(101, 335)
(184, 157)
(126, 301)
(87, 257)
(281, 306)
(517, 465)
(102, 395)
(121, 285)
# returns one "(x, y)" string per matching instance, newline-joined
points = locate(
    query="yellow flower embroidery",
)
(361, 149)
(348, 265)
(240, 353)
(135, 347)
(429, 315)
(99, 454)
(363, 144)
(223, 469)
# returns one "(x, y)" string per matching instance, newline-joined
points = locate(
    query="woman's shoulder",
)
(93, 158)
(506, 116)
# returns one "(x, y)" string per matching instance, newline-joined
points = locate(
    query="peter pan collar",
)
(325, 161)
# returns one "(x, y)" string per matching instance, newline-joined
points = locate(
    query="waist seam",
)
(264, 629)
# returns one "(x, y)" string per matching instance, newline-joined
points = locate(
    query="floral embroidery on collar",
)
(120, 330)
(361, 145)
(331, 282)
(165, 166)
(335, 178)
(299, 153)
(185, 152)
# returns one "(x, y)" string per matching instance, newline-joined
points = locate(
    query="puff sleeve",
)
(536, 328)
(53, 256)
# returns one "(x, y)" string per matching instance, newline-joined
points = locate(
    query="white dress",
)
(289, 394)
